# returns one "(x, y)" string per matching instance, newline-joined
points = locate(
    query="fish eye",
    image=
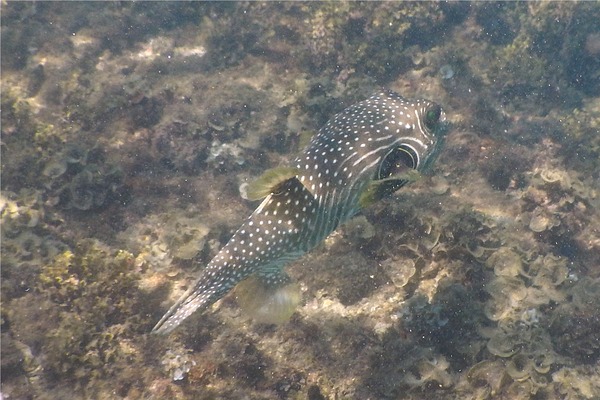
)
(432, 116)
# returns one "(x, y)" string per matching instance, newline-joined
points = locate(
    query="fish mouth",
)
(397, 160)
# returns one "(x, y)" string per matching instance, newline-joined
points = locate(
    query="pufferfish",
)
(367, 151)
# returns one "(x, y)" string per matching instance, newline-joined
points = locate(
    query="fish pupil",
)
(432, 116)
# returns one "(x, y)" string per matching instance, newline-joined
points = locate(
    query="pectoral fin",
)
(380, 188)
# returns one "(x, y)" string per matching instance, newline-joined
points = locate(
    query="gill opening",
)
(400, 158)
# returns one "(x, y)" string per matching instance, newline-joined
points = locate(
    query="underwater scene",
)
(132, 138)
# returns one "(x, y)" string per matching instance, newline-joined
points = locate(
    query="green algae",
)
(95, 293)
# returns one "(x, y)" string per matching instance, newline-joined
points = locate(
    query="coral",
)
(420, 316)
(548, 271)
(541, 220)
(446, 71)
(430, 370)
(55, 168)
(402, 366)
(82, 179)
(225, 155)
(518, 292)
(575, 325)
(556, 206)
(401, 270)
(159, 239)
(528, 352)
(20, 212)
(505, 262)
(487, 377)
(578, 383)
(473, 232)
(359, 229)
(26, 240)
(92, 187)
(507, 294)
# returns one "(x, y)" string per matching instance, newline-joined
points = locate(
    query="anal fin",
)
(271, 302)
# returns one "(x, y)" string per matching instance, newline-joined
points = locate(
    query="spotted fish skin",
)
(361, 145)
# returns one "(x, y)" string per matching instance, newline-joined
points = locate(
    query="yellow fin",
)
(267, 304)
(412, 175)
(369, 195)
(376, 189)
(267, 183)
(304, 138)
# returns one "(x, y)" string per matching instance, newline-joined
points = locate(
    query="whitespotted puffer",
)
(365, 152)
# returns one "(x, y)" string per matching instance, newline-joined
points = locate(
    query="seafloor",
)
(128, 129)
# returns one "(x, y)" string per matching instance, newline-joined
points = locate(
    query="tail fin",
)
(198, 297)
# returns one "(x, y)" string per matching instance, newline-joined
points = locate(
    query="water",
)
(128, 128)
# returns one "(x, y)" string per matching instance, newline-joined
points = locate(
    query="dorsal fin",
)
(269, 181)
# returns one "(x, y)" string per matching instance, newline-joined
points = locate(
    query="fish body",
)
(362, 154)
